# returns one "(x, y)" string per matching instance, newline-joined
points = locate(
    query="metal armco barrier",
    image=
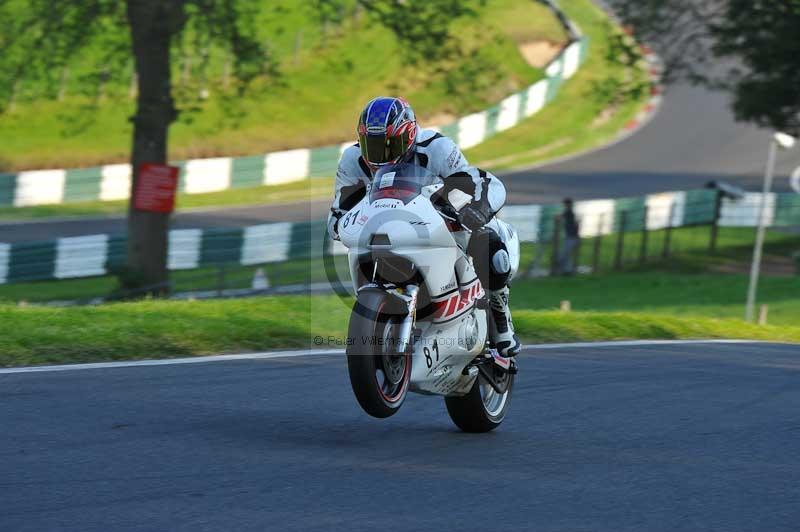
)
(95, 255)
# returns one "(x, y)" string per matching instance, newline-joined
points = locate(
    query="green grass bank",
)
(323, 78)
(613, 307)
(590, 110)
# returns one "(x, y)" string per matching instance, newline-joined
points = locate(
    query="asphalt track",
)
(636, 437)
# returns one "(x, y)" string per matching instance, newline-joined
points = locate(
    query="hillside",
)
(325, 71)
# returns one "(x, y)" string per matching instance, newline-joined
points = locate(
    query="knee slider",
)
(501, 263)
(500, 269)
(490, 257)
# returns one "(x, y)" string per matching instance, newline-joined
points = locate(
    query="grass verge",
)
(674, 307)
(701, 296)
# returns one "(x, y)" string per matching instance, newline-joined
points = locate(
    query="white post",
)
(779, 140)
(755, 267)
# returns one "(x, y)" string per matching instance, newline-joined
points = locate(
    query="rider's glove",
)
(474, 216)
(333, 225)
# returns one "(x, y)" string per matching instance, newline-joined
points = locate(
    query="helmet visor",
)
(382, 149)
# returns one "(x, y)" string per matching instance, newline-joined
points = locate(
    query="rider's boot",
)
(501, 328)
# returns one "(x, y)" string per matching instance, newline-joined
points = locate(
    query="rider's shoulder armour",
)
(352, 167)
(439, 153)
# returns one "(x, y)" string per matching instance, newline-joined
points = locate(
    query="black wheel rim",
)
(392, 368)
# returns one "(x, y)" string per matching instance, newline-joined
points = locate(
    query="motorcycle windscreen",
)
(403, 182)
(400, 189)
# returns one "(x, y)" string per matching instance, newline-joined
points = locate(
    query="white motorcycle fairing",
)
(453, 333)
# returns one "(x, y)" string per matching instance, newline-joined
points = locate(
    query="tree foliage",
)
(765, 37)
(746, 47)
(423, 27)
(40, 37)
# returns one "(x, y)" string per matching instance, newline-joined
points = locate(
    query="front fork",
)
(407, 297)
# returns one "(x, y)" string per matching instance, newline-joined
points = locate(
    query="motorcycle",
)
(419, 322)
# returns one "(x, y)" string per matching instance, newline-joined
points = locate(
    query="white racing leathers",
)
(495, 250)
(433, 151)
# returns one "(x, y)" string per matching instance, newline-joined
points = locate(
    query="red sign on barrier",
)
(155, 188)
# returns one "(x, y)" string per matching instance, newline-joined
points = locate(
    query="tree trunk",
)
(153, 24)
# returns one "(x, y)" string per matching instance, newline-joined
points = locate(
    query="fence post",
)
(643, 250)
(623, 221)
(668, 232)
(597, 242)
(554, 266)
(712, 245)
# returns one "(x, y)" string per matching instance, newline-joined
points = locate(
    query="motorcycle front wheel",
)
(379, 374)
(482, 409)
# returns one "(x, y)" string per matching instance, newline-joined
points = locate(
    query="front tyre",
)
(379, 374)
(482, 409)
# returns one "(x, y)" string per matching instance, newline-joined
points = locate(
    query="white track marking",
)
(174, 361)
(318, 352)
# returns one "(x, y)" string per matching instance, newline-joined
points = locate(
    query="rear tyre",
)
(379, 375)
(482, 409)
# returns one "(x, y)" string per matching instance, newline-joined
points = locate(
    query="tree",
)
(153, 26)
(746, 47)
(41, 36)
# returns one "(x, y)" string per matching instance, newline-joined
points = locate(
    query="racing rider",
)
(388, 134)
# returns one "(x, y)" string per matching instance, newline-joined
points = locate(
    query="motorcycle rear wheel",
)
(482, 409)
(379, 375)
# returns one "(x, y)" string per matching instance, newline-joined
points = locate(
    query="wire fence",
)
(615, 235)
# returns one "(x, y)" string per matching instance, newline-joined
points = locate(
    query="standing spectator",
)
(566, 264)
